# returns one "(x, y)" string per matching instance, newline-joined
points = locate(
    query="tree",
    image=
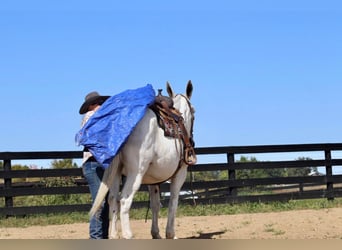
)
(65, 163)
(274, 172)
(303, 171)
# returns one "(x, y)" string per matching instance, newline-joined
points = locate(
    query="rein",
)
(189, 144)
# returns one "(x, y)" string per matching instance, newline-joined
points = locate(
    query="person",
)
(93, 171)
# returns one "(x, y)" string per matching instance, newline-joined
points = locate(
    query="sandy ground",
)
(302, 224)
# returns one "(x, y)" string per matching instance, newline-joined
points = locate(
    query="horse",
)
(148, 157)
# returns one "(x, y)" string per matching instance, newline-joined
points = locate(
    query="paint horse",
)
(148, 157)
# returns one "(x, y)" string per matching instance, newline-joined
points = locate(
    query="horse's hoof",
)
(156, 237)
(171, 237)
(114, 237)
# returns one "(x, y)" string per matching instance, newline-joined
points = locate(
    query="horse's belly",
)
(157, 174)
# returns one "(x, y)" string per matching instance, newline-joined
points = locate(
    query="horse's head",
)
(183, 104)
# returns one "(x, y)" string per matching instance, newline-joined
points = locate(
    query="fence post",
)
(8, 184)
(328, 170)
(231, 174)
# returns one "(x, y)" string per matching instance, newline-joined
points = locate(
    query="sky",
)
(264, 72)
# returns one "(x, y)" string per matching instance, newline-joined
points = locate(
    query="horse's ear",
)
(169, 90)
(189, 89)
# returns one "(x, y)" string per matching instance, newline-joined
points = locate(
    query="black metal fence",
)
(216, 191)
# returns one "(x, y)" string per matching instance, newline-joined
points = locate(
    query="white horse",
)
(148, 157)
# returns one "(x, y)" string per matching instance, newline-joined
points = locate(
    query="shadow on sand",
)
(206, 235)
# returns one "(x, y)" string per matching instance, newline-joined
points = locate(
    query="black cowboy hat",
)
(92, 98)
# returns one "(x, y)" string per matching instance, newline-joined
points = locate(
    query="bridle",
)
(192, 119)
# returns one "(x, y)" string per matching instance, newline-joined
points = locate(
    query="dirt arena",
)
(299, 224)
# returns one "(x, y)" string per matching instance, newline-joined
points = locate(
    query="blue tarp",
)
(108, 129)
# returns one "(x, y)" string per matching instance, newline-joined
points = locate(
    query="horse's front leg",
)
(114, 206)
(175, 187)
(154, 192)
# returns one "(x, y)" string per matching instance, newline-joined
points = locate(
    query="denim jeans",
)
(99, 223)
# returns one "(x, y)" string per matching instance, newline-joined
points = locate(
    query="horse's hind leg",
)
(155, 207)
(114, 205)
(176, 183)
(130, 187)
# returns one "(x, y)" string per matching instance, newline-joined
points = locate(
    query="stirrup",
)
(190, 156)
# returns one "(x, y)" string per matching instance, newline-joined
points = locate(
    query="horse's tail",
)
(107, 180)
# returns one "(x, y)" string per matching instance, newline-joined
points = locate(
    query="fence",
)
(216, 191)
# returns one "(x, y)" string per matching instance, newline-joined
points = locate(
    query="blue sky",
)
(264, 72)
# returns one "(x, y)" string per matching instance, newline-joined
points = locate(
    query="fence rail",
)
(232, 189)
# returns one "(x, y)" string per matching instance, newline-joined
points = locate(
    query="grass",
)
(202, 210)
(183, 210)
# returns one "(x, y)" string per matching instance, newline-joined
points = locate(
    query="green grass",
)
(183, 210)
(257, 207)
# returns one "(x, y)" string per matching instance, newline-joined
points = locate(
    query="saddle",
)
(172, 122)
